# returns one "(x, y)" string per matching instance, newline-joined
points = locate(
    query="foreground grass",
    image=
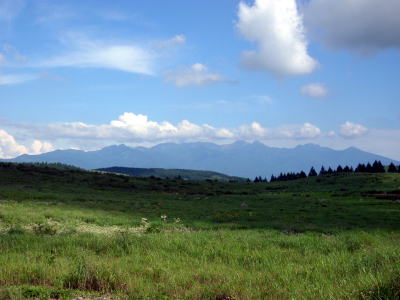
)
(69, 234)
(245, 264)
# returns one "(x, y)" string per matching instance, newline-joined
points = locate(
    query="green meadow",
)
(71, 234)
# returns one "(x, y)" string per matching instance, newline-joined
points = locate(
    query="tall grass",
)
(247, 264)
(69, 233)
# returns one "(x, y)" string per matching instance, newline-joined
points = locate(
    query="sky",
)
(87, 74)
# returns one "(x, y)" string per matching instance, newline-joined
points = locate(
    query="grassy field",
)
(83, 235)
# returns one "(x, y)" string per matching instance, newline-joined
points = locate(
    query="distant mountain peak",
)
(120, 146)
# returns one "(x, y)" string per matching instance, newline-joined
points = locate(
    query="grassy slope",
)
(74, 232)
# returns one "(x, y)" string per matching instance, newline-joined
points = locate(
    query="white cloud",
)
(87, 53)
(10, 148)
(351, 130)
(364, 26)
(2, 59)
(39, 147)
(9, 79)
(197, 74)
(277, 29)
(135, 128)
(179, 39)
(307, 130)
(176, 40)
(314, 90)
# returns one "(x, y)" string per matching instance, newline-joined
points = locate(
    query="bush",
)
(45, 229)
(17, 229)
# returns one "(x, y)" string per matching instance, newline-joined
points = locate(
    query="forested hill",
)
(172, 173)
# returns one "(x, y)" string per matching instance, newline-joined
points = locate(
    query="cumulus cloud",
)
(136, 128)
(314, 90)
(196, 74)
(86, 53)
(39, 147)
(277, 29)
(364, 26)
(9, 79)
(351, 130)
(306, 130)
(9, 147)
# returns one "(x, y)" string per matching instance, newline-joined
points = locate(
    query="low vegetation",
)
(66, 233)
(172, 173)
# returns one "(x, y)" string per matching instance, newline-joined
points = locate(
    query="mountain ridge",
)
(241, 159)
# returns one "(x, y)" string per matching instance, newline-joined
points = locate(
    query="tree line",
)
(375, 167)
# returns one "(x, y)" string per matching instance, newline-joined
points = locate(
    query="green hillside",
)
(69, 233)
(172, 173)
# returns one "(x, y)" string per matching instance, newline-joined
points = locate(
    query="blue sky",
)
(86, 74)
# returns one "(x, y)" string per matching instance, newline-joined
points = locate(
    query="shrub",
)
(17, 229)
(45, 229)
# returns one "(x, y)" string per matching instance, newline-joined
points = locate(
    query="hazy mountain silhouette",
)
(238, 159)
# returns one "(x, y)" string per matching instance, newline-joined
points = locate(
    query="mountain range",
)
(238, 159)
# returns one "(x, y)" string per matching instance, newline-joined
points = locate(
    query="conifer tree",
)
(302, 174)
(378, 167)
(360, 168)
(312, 172)
(322, 171)
(392, 168)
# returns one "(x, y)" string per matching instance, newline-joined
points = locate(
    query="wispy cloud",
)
(197, 74)
(177, 40)
(80, 51)
(87, 53)
(314, 90)
(9, 79)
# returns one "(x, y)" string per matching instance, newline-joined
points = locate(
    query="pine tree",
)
(339, 169)
(378, 167)
(322, 171)
(392, 168)
(312, 172)
(360, 168)
(330, 171)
